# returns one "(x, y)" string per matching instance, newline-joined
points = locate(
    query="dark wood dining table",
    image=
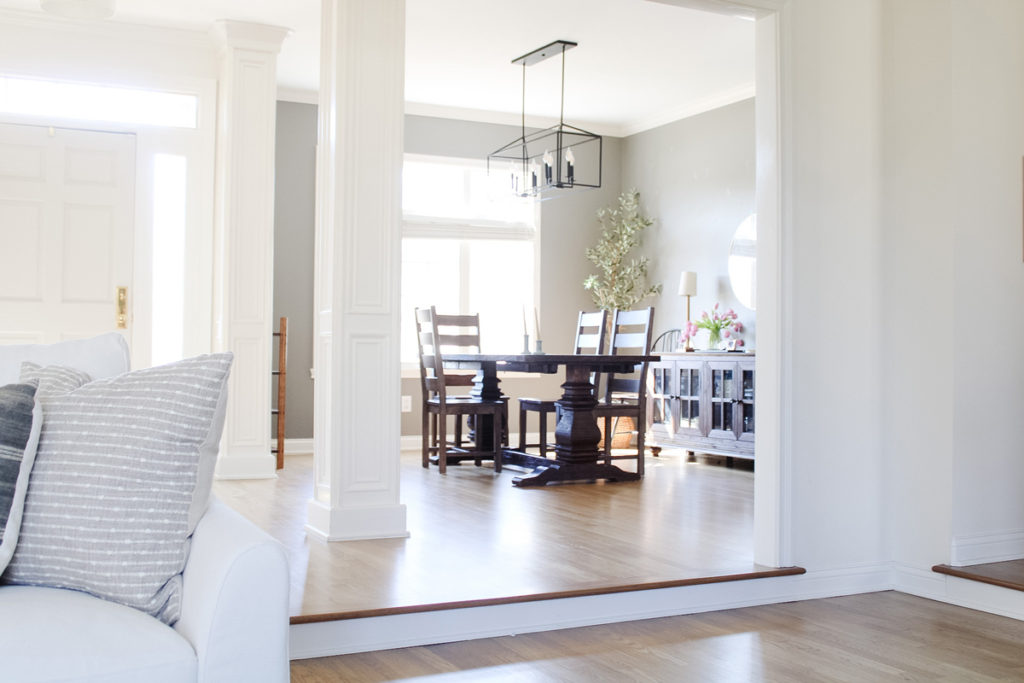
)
(576, 434)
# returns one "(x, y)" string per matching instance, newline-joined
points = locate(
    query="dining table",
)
(577, 458)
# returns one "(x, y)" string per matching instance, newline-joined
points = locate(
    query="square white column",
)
(358, 271)
(244, 247)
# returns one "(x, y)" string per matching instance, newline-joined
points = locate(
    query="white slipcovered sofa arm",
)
(235, 600)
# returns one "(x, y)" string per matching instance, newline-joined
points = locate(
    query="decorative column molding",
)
(358, 262)
(244, 239)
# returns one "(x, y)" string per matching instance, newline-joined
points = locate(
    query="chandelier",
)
(557, 158)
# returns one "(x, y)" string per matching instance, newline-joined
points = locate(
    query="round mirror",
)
(743, 262)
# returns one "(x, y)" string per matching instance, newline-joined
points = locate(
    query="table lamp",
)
(688, 288)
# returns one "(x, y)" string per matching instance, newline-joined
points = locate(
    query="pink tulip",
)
(726, 334)
(739, 342)
(738, 326)
(704, 315)
(716, 306)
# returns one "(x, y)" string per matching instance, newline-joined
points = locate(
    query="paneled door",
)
(66, 229)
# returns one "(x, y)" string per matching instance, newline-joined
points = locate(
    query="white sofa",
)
(234, 613)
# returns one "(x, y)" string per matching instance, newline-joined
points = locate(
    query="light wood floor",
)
(474, 537)
(874, 637)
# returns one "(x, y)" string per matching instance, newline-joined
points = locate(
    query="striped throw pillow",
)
(20, 420)
(115, 479)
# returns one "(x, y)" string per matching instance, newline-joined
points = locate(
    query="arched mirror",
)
(743, 262)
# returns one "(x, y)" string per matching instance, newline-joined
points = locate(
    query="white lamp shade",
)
(79, 9)
(688, 284)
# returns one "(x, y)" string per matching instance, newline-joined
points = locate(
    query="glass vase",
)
(714, 340)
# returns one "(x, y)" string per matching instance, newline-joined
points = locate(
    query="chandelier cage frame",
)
(532, 157)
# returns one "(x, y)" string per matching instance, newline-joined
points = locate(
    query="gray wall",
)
(294, 202)
(696, 179)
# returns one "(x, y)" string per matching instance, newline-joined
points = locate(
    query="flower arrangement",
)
(719, 326)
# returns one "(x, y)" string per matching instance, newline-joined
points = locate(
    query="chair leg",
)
(543, 433)
(522, 429)
(442, 443)
(499, 425)
(425, 432)
(640, 447)
(608, 440)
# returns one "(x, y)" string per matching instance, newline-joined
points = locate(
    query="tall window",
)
(468, 246)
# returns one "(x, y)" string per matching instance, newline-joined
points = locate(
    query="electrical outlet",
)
(407, 404)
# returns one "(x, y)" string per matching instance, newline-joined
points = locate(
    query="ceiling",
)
(639, 63)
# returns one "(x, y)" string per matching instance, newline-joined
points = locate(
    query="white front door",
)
(66, 227)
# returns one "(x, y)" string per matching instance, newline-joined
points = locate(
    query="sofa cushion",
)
(115, 480)
(50, 634)
(103, 356)
(21, 418)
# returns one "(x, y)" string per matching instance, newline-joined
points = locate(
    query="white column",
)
(358, 262)
(244, 270)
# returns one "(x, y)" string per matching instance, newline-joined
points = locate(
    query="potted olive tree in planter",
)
(622, 280)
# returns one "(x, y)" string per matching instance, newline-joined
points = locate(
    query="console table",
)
(702, 401)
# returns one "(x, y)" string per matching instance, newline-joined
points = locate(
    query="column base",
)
(355, 524)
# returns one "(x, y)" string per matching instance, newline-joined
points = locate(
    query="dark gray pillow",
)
(20, 422)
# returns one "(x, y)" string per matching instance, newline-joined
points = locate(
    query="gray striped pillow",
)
(20, 422)
(116, 475)
(53, 380)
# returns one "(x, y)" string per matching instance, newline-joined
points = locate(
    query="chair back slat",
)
(459, 340)
(631, 341)
(590, 336)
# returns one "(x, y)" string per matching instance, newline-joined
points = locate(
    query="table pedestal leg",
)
(576, 438)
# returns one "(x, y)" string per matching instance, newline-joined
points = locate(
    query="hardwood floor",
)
(873, 637)
(1009, 574)
(475, 538)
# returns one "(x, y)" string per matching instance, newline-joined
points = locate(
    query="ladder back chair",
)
(590, 337)
(626, 396)
(437, 405)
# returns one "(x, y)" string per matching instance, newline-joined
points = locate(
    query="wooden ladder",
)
(282, 375)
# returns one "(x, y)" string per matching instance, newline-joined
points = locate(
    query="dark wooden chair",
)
(626, 395)
(590, 333)
(434, 383)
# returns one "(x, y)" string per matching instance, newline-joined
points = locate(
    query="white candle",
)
(536, 324)
(525, 332)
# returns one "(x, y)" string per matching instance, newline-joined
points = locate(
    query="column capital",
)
(248, 35)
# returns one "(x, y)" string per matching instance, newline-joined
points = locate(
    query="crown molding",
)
(299, 95)
(722, 99)
(249, 35)
(106, 30)
(502, 118)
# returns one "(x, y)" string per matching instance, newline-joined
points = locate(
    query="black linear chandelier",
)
(546, 160)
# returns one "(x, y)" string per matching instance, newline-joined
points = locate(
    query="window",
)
(468, 246)
(83, 101)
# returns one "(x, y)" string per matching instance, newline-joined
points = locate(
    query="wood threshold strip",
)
(554, 595)
(1009, 574)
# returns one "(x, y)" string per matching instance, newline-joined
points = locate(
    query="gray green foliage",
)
(622, 281)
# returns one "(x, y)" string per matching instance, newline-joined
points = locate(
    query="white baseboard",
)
(246, 467)
(422, 628)
(981, 548)
(962, 592)
(298, 446)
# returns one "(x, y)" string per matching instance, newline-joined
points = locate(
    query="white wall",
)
(987, 289)
(831, 275)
